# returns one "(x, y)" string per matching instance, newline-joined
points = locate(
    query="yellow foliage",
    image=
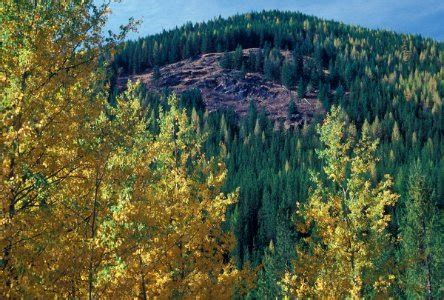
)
(92, 203)
(346, 220)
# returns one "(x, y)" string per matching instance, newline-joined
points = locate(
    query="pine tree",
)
(156, 73)
(292, 109)
(226, 61)
(376, 128)
(272, 65)
(258, 62)
(94, 205)
(242, 72)
(268, 68)
(237, 58)
(421, 239)
(268, 281)
(301, 89)
(287, 76)
(396, 134)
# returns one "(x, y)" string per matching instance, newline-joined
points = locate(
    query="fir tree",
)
(301, 89)
(287, 76)
(292, 109)
(421, 239)
(156, 73)
(237, 61)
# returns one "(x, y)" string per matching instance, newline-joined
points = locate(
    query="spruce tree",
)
(237, 58)
(156, 73)
(292, 109)
(301, 89)
(287, 75)
(226, 61)
(421, 251)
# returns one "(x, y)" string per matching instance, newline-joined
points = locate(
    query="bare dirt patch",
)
(228, 89)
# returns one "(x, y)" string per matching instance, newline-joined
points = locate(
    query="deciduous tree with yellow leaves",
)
(344, 221)
(93, 204)
(164, 231)
(51, 97)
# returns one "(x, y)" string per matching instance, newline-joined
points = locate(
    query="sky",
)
(425, 17)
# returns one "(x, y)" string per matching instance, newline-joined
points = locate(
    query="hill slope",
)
(231, 89)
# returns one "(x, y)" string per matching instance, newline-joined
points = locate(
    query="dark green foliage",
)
(397, 100)
(292, 109)
(233, 60)
(237, 58)
(272, 65)
(258, 62)
(243, 71)
(302, 89)
(156, 73)
(421, 253)
(272, 170)
(288, 77)
(192, 99)
(268, 281)
(227, 61)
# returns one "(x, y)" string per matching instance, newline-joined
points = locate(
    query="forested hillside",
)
(389, 85)
(134, 191)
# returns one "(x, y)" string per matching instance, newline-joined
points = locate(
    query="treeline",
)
(347, 53)
(381, 79)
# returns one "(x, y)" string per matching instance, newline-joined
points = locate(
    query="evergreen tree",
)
(94, 205)
(48, 86)
(268, 281)
(272, 65)
(226, 61)
(287, 76)
(421, 239)
(156, 73)
(301, 89)
(237, 61)
(292, 109)
(396, 134)
(258, 62)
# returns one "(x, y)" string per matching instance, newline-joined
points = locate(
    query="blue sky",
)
(424, 17)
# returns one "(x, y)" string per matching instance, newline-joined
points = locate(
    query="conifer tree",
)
(421, 239)
(226, 61)
(292, 109)
(258, 62)
(156, 73)
(268, 280)
(396, 134)
(301, 89)
(237, 58)
(287, 76)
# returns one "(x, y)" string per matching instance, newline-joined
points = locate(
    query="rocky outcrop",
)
(222, 88)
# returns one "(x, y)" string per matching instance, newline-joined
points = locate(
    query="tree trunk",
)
(93, 231)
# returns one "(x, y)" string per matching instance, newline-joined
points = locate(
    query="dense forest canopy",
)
(390, 86)
(376, 76)
(139, 193)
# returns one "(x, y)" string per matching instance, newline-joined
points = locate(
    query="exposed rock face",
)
(222, 88)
